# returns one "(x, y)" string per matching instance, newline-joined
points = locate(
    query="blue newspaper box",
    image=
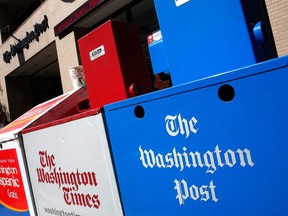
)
(206, 37)
(157, 53)
(217, 146)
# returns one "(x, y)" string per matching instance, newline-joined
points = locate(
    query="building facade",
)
(37, 55)
(278, 15)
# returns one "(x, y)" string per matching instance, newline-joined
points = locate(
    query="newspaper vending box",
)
(16, 198)
(70, 167)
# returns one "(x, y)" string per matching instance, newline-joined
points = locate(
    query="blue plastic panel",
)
(212, 147)
(157, 53)
(206, 37)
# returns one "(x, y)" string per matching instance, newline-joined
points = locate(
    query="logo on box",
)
(180, 2)
(96, 53)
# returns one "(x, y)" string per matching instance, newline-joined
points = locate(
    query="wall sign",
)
(77, 15)
(39, 28)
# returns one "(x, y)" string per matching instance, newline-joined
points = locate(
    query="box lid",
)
(56, 108)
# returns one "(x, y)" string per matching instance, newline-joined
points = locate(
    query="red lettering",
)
(88, 199)
(93, 3)
(80, 13)
(42, 158)
(67, 198)
(96, 201)
(46, 160)
(59, 28)
(80, 199)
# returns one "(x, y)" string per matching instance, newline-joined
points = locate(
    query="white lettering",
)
(12, 182)
(201, 193)
(176, 124)
(185, 159)
(12, 194)
(230, 161)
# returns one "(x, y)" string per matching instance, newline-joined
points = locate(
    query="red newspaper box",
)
(114, 63)
(15, 195)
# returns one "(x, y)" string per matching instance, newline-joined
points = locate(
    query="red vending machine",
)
(16, 198)
(114, 63)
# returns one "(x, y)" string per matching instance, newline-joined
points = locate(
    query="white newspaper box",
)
(16, 198)
(70, 167)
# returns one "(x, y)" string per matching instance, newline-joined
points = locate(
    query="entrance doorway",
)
(34, 82)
